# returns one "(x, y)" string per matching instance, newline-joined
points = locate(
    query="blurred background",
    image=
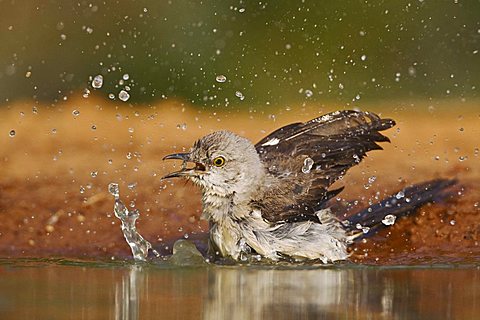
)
(240, 54)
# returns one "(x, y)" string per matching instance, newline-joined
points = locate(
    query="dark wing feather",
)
(335, 142)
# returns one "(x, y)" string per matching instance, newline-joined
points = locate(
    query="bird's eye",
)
(219, 161)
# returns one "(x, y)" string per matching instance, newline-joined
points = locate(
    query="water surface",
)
(121, 290)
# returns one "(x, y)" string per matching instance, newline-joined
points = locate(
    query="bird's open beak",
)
(184, 172)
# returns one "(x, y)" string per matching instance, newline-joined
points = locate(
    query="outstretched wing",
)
(305, 159)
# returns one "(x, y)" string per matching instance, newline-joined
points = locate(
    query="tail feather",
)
(402, 204)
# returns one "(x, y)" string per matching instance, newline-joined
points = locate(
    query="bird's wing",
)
(305, 159)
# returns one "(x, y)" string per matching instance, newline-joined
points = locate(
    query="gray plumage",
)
(272, 198)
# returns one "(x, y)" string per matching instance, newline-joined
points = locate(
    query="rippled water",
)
(122, 290)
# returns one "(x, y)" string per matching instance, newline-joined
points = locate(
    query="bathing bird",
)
(274, 199)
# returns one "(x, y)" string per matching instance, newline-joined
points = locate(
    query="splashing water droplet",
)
(113, 189)
(97, 81)
(123, 95)
(239, 95)
(307, 165)
(182, 126)
(221, 78)
(400, 195)
(389, 219)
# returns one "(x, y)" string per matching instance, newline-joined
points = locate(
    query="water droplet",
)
(131, 130)
(453, 222)
(372, 179)
(82, 190)
(123, 95)
(400, 195)
(132, 185)
(241, 10)
(75, 113)
(111, 96)
(389, 219)
(86, 93)
(126, 76)
(113, 189)
(12, 133)
(94, 174)
(221, 78)
(89, 30)
(94, 127)
(308, 93)
(307, 165)
(182, 126)
(239, 95)
(97, 81)
(363, 57)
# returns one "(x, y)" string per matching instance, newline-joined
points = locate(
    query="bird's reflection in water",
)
(220, 292)
(276, 294)
(339, 293)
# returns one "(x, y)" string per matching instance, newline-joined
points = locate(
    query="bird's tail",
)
(405, 202)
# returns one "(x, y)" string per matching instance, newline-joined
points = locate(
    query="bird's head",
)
(223, 163)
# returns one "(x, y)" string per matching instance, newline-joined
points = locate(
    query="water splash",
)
(221, 78)
(97, 81)
(389, 220)
(123, 95)
(137, 243)
(307, 165)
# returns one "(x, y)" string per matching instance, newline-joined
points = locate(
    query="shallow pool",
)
(59, 289)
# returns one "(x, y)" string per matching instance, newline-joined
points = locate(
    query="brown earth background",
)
(56, 167)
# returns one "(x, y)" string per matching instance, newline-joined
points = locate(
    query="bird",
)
(273, 199)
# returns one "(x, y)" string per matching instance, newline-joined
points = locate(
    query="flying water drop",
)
(123, 95)
(307, 165)
(221, 78)
(97, 81)
(389, 219)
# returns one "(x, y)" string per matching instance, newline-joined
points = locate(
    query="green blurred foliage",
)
(273, 52)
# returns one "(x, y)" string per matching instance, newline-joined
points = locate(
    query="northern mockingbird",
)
(272, 198)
